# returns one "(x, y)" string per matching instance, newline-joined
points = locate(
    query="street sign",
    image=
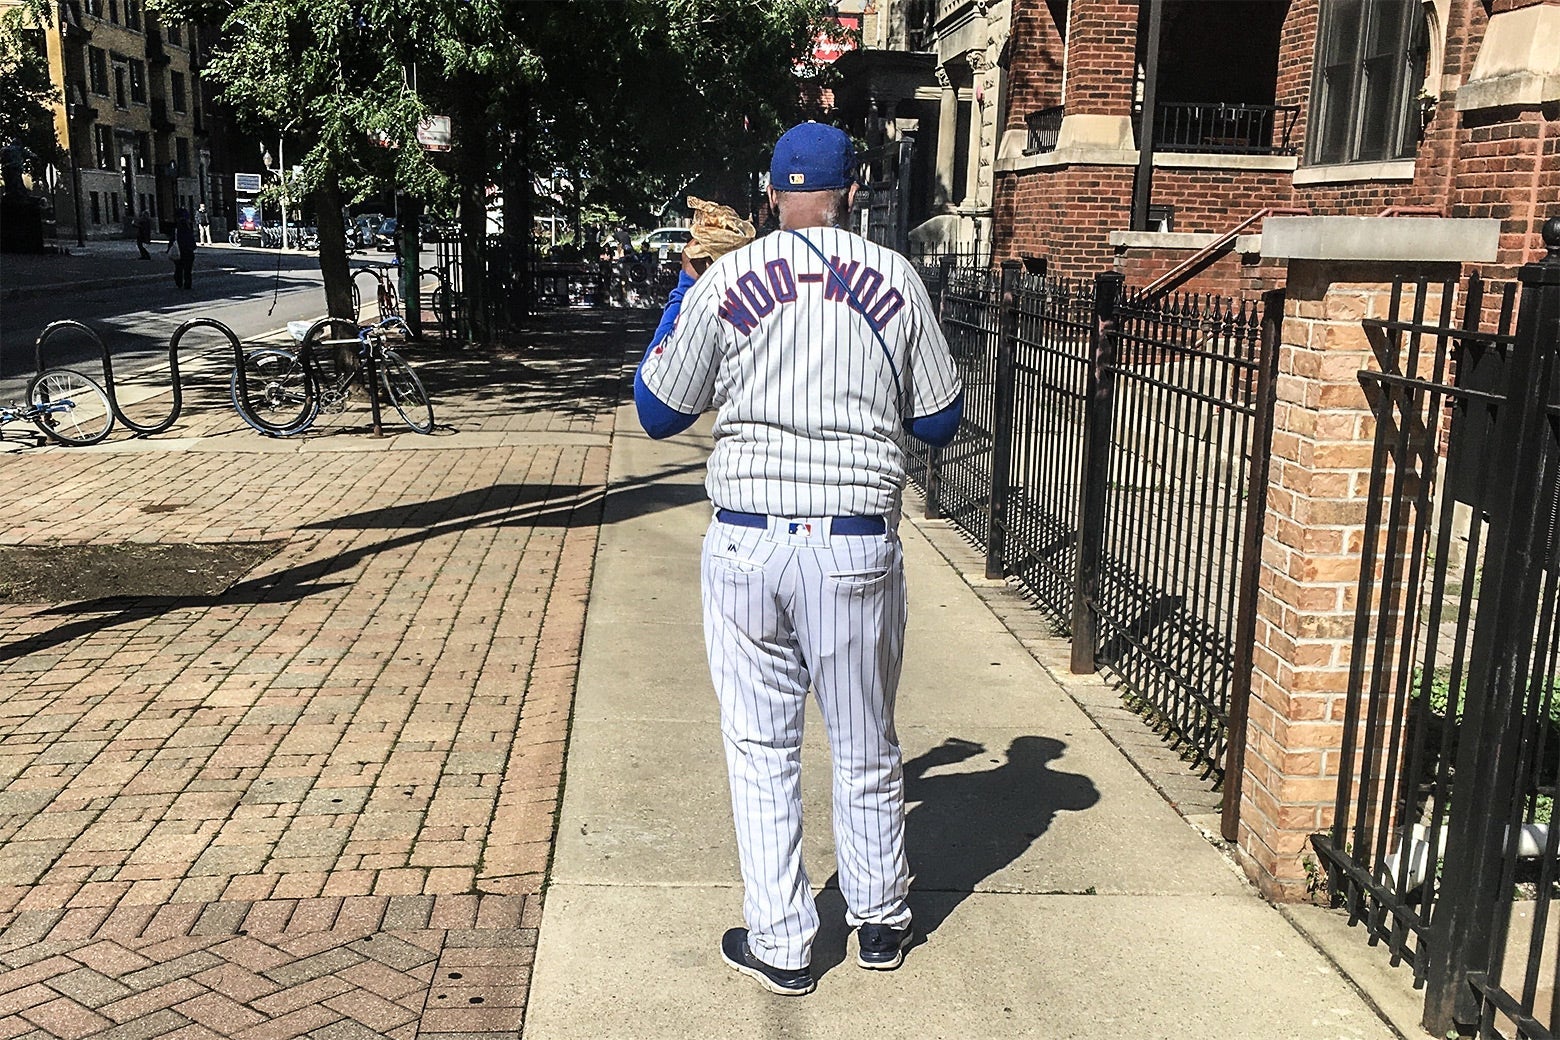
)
(433, 134)
(246, 183)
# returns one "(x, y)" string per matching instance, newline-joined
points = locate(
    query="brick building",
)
(925, 93)
(1333, 107)
(132, 114)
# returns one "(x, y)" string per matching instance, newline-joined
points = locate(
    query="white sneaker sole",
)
(899, 957)
(764, 980)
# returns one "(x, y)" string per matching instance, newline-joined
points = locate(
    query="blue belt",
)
(837, 525)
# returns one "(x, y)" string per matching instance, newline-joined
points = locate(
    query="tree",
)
(338, 75)
(632, 97)
(26, 94)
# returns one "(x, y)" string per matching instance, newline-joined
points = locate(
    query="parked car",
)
(363, 227)
(666, 241)
(384, 235)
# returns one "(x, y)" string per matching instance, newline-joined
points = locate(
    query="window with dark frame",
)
(113, 12)
(103, 145)
(121, 75)
(138, 80)
(175, 35)
(97, 208)
(1370, 66)
(133, 14)
(97, 70)
(182, 153)
(176, 90)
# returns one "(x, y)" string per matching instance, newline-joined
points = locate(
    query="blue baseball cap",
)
(813, 157)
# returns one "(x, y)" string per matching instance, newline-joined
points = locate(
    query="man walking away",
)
(817, 349)
(203, 220)
(182, 239)
(143, 233)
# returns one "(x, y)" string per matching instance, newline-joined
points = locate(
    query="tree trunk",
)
(333, 250)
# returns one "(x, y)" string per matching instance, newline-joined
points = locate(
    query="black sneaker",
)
(794, 982)
(882, 948)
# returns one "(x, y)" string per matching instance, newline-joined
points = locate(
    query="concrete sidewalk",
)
(1058, 893)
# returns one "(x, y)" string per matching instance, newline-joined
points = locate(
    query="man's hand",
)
(693, 267)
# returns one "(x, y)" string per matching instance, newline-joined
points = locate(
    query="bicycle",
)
(281, 392)
(66, 406)
(384, 290)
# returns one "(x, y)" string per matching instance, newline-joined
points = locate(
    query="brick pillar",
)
(1322, 445)
(1101, 57)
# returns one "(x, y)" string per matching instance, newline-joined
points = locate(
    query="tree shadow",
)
(963, 827)
(497, 506)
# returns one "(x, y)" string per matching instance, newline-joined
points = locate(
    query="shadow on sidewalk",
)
(501, 505)
(964, 827)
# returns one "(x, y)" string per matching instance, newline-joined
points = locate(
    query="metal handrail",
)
(1176, 273)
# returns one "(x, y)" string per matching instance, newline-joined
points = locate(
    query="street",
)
(255, 292)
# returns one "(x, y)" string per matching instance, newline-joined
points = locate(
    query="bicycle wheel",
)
(406, 392)
(281, 399)
(69, 407)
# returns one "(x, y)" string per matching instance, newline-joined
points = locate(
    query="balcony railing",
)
(1044, 128)
(1220, 128)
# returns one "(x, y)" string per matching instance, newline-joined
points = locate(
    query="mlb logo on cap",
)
(813, 157)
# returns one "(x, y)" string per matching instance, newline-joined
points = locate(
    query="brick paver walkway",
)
(320, 803)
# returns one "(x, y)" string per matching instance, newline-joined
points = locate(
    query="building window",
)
(143, 152)
(138, 80)
(175, 37)
(95, 9)
(1370, 66)
(97, 70)
(121, 77)
(133, 14)
(97, 209)
(181, 149)
(113, 11)
(113, 206)
(103, 146)
(176, 89)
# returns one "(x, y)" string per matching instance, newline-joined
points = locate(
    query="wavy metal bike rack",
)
(139, 429)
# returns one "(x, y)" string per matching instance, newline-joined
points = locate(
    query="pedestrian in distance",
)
(181, 242)
(203, 222)
(143, 233)
(818, 350)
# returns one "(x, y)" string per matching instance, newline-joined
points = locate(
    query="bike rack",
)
(370, 369)
(173, 365)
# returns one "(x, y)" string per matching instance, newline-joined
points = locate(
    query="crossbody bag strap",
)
(860, 309)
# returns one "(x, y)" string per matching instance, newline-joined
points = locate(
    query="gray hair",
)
(837, 201)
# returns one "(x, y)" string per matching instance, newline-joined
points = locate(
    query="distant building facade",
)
(133, 116)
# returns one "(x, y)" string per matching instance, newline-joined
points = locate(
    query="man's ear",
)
(850, 198)
(774, 198)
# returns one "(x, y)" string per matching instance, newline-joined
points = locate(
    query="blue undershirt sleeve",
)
(938, 428)
(659, 419)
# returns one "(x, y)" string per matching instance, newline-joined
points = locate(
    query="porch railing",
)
(1216, 127)
(1045, 126)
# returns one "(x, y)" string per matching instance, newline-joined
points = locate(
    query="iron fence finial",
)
(1551, 233)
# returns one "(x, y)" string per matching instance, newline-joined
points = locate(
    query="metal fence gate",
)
(1113, 460)
(1443, 842)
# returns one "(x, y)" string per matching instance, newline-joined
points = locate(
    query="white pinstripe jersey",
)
(807, 420)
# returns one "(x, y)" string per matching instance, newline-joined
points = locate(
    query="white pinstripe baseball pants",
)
(779, 618)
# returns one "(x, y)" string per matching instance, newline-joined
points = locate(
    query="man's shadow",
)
(964, 827)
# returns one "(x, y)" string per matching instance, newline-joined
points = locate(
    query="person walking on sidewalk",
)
(817, 349)
(182, 239)
(143, 233)
(203, 222)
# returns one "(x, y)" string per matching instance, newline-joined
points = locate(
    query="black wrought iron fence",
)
(1113, 461)
(1185, 393)
(1221, 127)
(1443, 842)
